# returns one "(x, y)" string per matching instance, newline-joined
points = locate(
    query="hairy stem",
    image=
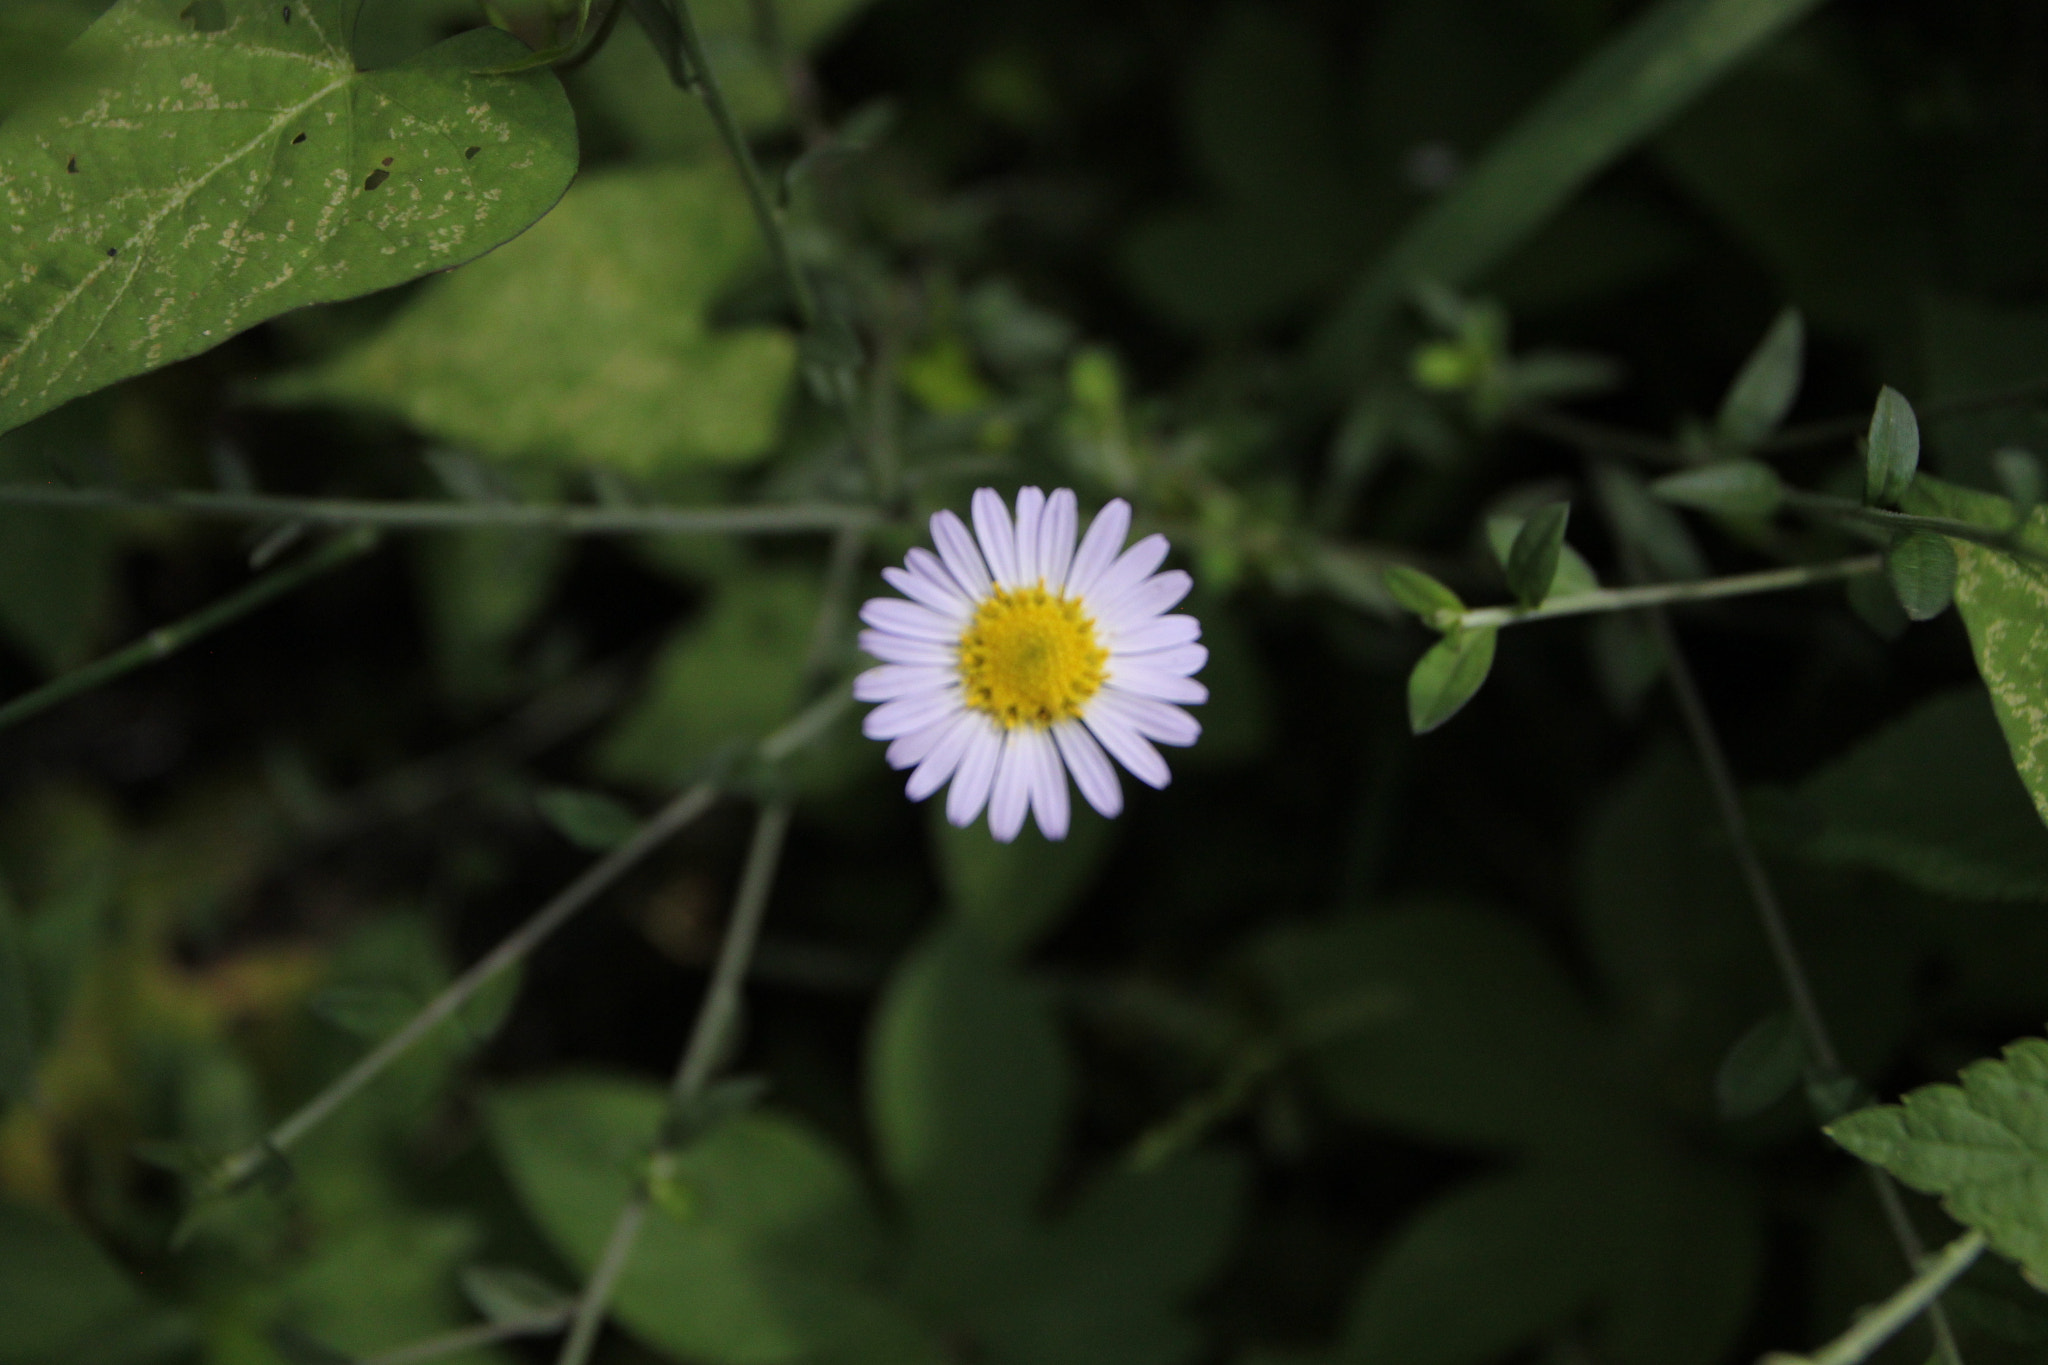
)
(710, 1041)
(165, 641)
(427, 516)
(1881, 1323)
(1665, 594)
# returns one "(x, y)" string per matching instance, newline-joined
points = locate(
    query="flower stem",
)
(426, 516)
(709, 1043)
(1666, 594)
(1881, 1323)
(165, 641)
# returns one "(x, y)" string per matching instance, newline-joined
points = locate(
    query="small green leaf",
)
(1533, 558)
(1732, 488)
(1922, 569)
(2019, 474)
(1981, 1145)
(1893, 453)
(587, 819)
(1436, 604)
(1766, 385)
(508, 1294)
(1574, 574)
(148, 219)
(1763, 1067)
(1447, 677)
(1647, 525)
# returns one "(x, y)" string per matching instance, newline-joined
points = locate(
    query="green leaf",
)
(2019, 474)
(590, 820)
(1533, 558)
(1015, 893)
(1618, 97)
(17, 1013)
(1981, 1145)
(588, 340)
(1488, 1045)
(1892, 453)
(1730, 488)
(1922, 570)
(509, 1294)
(1448, 676)
(1653, 529)
(778, 1259)
(1574, 575)
(148, 218)
(1415, 590)
(1763, 1067)
(732, 674)
(2004, 603)
(1766, 386)
(58, 1290)
(1932, 799)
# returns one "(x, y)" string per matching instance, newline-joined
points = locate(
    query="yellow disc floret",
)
(1030, 658)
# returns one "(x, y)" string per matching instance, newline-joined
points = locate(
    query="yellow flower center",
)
(1030, 658)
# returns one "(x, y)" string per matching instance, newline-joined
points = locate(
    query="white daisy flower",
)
(1020, 658)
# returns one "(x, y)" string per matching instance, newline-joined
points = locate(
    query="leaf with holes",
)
(231, 163)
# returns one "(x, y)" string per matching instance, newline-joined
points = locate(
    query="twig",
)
(1882, 1322)
(709, 1041)
(423, 516)
(165, 641)
(1665, 594)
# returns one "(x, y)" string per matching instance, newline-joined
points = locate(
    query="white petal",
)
(1030, 505)
(927, 565)
(1098, 548)
(943, 757)
(894, 719)
(962, 559)
(942, 598)
(907, 751)
(1154, 720)
(1138, 680)
(1012, 794)
(1090, 767)
(1180, 661)
(891, 681)
(1143, 603)
(901, 649)
(969, 792)
(899, 617)
(1048, 786)
(1126, 745)
(998, 540)
(1132, 567)
(1161, 632)
(1056, 538)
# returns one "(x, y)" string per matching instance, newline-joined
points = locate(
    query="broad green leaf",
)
(17, 1013)
(778, 1257)
(58, 1291)
(1533, 557)
(588, 340)
(1417, 591)
(1574, 575)
(156, 214)
(1981, 1145)
(732, 674)
(1766, 386)
(1922, 569)
(1763, 1067)
(1015, 893)
(1618, 97)
(1730, 488)
(2004, 603)
(1488, 1044)
(37, 59)
(1448, 676)
(1892, 452)
(589, 820)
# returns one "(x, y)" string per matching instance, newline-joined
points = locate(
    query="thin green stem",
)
(165, 641)
(1842, 509)
(599, 877)
(428, 516)
(469, 1339)
(1880, 1324)
(1667, 594)
(710, 1041)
